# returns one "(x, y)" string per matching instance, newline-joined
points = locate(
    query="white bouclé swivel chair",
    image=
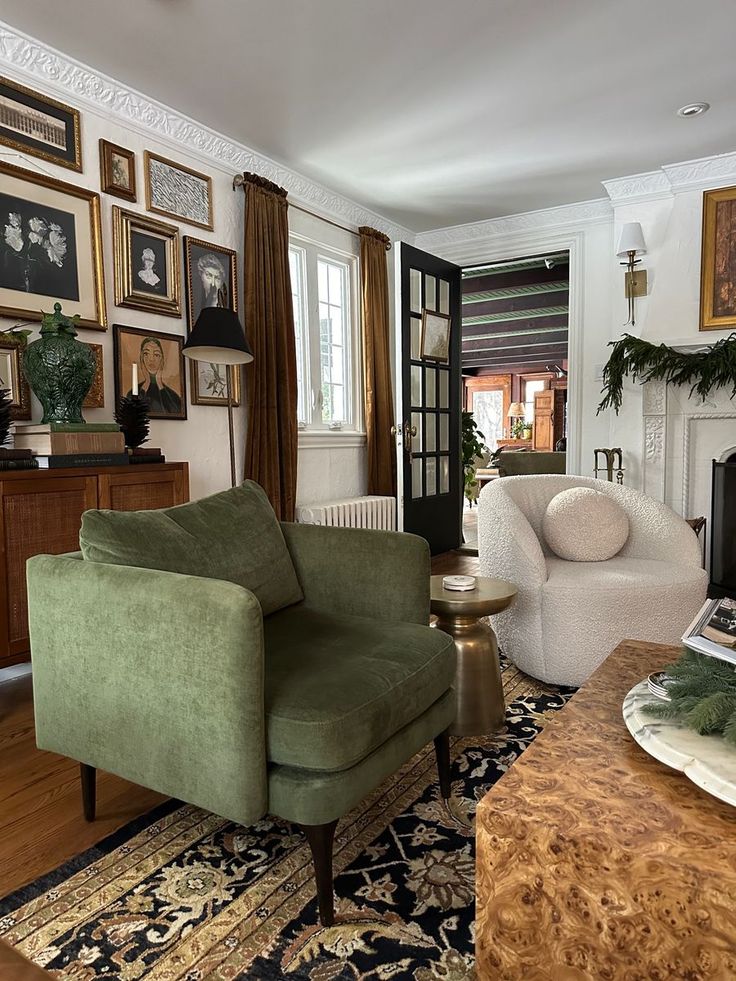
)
(570, 615)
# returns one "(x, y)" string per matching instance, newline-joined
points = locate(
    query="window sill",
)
(320, 439)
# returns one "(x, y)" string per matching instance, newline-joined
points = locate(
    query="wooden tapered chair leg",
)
(321, 838)
(88, 778)
(442, 752)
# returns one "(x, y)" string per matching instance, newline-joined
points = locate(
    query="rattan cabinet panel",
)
(41, 512)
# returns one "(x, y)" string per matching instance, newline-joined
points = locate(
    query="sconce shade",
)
(218, 337)
(516, 409)
(631, 240)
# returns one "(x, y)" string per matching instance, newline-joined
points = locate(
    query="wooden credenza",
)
(41, 512)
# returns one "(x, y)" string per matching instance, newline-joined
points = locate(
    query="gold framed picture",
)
(161, 376)
(11, 375)
(50, 248)
(210, 280)
(435, 342)
(36, 124)
(177, 191)
(146, 263)
(718, 260)
(117, 170)
(95, 397)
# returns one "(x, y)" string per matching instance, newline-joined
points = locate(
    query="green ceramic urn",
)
(59, 368)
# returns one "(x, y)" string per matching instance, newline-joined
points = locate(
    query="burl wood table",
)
(596, 861)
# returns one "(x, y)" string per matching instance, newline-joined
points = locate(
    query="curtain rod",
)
(238, 181)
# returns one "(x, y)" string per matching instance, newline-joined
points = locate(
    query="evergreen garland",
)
(702, 695)
(643, 361)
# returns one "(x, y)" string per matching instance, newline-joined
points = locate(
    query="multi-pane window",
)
(531, 387)
(324, 322)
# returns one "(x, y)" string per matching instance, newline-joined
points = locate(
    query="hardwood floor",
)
(41, 821)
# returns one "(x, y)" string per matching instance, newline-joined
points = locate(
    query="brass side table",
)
(478, 686)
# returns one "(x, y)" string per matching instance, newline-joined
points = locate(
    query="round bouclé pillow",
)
(584, 525)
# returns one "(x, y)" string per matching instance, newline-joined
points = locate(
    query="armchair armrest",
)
(656, 531)
(508, 547)
(383, 575)
(154, 676)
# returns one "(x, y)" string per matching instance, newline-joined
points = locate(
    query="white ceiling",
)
(430, 112)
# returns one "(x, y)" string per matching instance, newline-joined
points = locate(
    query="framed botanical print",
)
(95, 397)
(160, 362)
(50, 248)
(718, 263)
(146, 263)
(210, 280)
(177, 191)
(435, 341)
(36, 124)
(11, 375)
(117, 170)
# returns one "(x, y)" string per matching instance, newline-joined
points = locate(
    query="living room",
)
(255, 262)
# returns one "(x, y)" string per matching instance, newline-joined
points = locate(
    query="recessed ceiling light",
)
(693, 109)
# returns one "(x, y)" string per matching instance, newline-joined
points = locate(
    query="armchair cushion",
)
(232, 536)
(338, 686)
(583, 525)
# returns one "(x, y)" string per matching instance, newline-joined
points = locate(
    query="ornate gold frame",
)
(708, 321)
(76, 164)
(93, 199)
(21, 408)
(107, 183)
(126, 295)
(95, 397)
(147, 157)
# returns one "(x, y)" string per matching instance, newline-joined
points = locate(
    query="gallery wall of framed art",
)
(75, 227)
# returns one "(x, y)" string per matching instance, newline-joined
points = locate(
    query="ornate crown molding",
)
(672, 179)
(34, 61)
(562, 216)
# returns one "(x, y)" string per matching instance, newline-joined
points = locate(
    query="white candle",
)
(135, 379)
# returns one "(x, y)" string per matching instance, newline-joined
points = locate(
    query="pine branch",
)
(642, 361)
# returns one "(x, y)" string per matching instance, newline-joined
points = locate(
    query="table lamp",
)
(516, 411)
(218, 337)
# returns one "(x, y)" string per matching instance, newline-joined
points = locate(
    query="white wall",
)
(121, 115)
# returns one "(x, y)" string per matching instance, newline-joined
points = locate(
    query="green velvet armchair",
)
(178, 682)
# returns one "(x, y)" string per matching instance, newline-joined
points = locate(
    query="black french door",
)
(429, 421)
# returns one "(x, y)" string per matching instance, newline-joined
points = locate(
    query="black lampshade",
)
(218, 337)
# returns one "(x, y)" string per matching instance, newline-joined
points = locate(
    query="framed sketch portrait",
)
(95, 397)
(146, 263)
(161, 376)
(50, 248)
(177, 191)
(11, 376)
(117, 170)
(718, 263)
(210, 280)
(435, 343)
(36, 124)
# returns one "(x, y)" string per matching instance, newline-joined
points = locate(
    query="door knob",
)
(409, 433)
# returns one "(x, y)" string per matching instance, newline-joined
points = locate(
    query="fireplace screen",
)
(723, 528)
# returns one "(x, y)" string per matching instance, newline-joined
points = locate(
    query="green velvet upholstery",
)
(155, 676)
(514, 463)
(177, 680)
(232, 536)
(338, 686)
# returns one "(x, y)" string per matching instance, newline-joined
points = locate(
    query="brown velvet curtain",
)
(271, 385)
(379, 402)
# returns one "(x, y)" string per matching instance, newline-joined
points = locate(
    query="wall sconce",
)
(630, 244)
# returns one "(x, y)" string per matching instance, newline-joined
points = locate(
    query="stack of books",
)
(71, 444)
(13, 459)
(713, 631)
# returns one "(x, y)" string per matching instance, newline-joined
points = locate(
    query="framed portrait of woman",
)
(160, 364)
(146, 263)
(210, 280)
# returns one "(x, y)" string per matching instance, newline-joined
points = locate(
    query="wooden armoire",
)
(41, 512)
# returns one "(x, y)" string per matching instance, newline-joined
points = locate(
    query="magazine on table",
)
(713, 631)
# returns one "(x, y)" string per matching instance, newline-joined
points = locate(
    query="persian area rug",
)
(181, 895)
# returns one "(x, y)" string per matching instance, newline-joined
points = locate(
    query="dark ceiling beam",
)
(514, 304)
(525, 368)
(554, 321)
(517, 357)
(503, 343)
(519, 277)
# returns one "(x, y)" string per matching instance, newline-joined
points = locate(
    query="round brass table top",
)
(489, 596)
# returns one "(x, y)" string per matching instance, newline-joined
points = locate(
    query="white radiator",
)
(357, 512)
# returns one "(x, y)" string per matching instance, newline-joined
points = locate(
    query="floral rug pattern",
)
(181, 895)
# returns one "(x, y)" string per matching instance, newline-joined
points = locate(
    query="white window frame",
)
(311, 426)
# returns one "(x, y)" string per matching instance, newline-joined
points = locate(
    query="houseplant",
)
(472, 447)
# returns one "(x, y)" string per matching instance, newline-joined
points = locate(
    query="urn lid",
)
(58, 323)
